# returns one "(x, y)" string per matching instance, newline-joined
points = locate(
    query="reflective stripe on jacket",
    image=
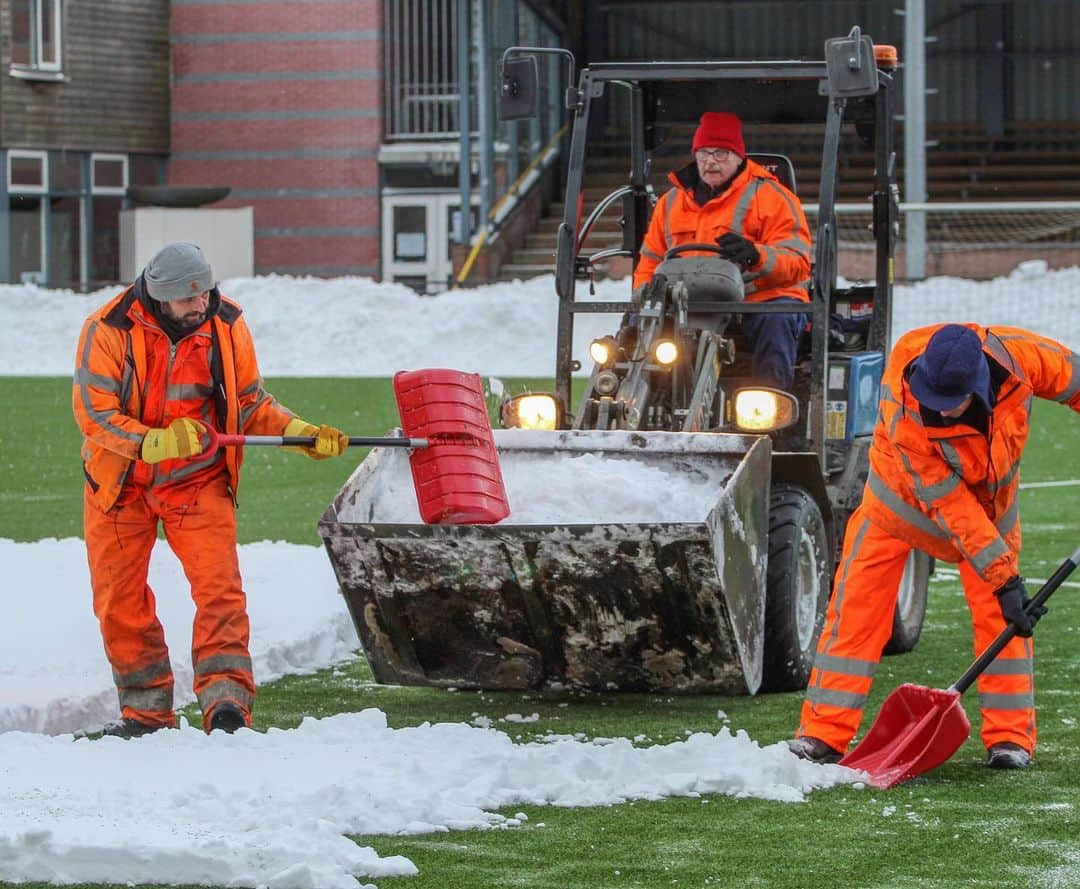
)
(758, 207)
(129, 378)
(950, 490)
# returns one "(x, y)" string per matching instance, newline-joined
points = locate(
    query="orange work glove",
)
(329, 442)
(180, 439)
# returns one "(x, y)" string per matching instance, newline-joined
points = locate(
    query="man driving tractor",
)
(724, 197)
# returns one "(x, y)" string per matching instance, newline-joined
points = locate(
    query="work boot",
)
(814, 750)
(129, 728)
(1007, 755)
(227, 717)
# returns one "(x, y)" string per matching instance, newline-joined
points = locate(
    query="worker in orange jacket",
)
(944, 476)
(155, 367)
(725, 198)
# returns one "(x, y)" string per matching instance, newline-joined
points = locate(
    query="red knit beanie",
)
(720, 129)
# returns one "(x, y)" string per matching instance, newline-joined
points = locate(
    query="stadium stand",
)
(1028, 161)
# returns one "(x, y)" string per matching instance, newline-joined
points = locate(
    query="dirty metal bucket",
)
(668, 596)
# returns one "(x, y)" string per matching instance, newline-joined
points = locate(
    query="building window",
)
(35, 39)
(110, 172)
(27, 172)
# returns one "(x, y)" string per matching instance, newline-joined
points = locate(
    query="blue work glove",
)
(738, 250)
(1014, 601)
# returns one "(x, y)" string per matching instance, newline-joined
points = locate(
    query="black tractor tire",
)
(911, 604)
(797, 588)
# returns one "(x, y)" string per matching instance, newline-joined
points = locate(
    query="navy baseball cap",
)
(952, 368)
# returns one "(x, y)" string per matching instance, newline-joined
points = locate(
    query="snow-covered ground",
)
(253, 809)
(354, 327)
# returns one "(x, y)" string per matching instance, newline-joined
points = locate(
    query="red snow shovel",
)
(454, 464)
(919, 728)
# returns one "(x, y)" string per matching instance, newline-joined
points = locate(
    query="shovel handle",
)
(1005, 636)
(306, 441)
(220, 440)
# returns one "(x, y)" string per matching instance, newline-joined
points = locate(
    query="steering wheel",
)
(695, 248)
(603, 255)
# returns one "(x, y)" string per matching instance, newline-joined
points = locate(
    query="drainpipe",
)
(464, 11)
(5, 220)
(485, 100)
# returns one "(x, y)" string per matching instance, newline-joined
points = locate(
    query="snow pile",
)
(273, 809)
(357, 327)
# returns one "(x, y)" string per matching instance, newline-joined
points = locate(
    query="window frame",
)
(38, 68)
(19, 189)
(96, 189)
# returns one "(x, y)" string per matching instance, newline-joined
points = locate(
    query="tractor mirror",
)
(518, 92)
(851, 65)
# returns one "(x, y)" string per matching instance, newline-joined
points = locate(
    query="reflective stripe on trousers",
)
(1007, 687)
(200, 528)
(858, 625)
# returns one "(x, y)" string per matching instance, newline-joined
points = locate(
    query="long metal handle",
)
(219, 440)
(1005, 637)
(306, 441)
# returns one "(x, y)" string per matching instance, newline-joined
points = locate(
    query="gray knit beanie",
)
(178, 271)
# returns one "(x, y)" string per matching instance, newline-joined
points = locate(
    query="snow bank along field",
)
(274, 809)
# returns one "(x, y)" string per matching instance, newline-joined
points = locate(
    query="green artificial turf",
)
(961, 825)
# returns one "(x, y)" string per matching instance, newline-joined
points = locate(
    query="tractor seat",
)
(780, 166)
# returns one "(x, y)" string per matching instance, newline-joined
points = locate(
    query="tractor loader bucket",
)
(653, 599)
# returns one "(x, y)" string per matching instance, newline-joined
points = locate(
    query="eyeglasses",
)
(713, 154)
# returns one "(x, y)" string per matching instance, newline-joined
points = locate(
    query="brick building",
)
(281, 100)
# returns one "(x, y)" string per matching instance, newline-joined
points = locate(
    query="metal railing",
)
(420, 52)
(509, 200)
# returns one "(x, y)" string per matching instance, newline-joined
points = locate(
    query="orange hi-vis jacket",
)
(950, 490)
(129, 377)
(755, 205)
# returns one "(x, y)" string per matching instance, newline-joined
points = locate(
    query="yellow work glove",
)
(329, 442)
(181, 438)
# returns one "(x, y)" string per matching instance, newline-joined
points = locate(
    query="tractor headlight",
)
(606, 383)
(665, 352)
(604, 350)
(765, 410)
(530, 411)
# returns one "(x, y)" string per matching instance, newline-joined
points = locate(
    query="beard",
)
(190, 320)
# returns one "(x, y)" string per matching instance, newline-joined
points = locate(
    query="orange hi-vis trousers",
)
(199, 522)
(858, 625)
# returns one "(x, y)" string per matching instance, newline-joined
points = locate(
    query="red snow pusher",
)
(444, 419)
(919, 728)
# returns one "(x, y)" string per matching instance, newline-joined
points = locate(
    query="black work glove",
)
(1013, 599)
(739, 250)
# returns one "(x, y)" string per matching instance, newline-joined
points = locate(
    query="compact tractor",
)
(730, 596)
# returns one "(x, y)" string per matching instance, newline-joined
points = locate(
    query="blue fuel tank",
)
(853, 387)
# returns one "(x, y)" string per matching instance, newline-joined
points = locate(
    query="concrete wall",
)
(226, 236)
(280, 100)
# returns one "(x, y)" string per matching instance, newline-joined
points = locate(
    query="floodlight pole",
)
(914, 61)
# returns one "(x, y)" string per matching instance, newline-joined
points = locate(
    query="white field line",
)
(953, 574)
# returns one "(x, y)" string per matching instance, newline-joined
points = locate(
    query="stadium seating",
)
(1028, 161)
